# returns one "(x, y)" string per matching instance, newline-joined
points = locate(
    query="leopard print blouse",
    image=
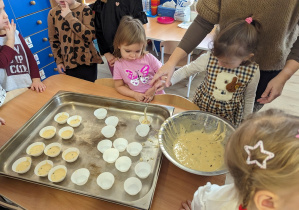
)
(71, 37)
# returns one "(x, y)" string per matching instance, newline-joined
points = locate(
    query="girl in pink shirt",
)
(134, 68)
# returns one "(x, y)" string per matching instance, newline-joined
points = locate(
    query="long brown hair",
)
(236, 38)
(130, 31)
(278, 131)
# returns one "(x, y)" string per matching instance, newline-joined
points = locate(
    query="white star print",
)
(260, 144)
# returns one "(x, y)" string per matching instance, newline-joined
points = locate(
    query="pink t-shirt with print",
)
(137, 73)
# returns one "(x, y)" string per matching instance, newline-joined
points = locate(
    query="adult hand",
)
(186, 205)
(160, 84)
(65, 9)
(37, 85)
(166, 70)
(273, 90)
(61, 68)
(110, 59)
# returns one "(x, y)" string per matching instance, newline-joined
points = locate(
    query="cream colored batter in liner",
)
(44, 169)
(70, 155)
(36, 149)
(23, 166)
(48, 133)
(58, 174)
(66, 133)
(62, 117)
(53, 150)
(75, 121)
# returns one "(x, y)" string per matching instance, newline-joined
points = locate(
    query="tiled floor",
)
(288, 101)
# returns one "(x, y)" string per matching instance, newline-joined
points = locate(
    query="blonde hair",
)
(130, 31)
(236, 38)
(277, 130)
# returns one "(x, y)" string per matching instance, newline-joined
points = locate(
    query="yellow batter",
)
(66, 133)
(53, 150)
(75, 121)
(145, 120)
(48, 133)
(22, 166)
(70, 155)
(58, 175)
(62, 117)
(35, 150)
(200, 151)
(44, 169)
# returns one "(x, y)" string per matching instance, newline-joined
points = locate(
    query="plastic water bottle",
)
(146, 6)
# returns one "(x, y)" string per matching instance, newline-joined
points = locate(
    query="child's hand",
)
(148, 99)
(10, 33)
(2, 121)
(186, 205)
(110, 59)
(37, 85)
(61, 68)
(65, 9)
(139, 96)
(149, 95)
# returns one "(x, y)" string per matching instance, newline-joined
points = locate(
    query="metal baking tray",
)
(86, 138)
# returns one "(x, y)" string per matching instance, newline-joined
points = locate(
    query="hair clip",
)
(248, 20)
(260, 144)
(297, 136)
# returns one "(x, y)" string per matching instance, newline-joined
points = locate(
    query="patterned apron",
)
(231, 109)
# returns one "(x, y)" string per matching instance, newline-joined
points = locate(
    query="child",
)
(135, 68)
(71, 31)
(229, 87)
(108, 14)
(262, 157)
(18, 68)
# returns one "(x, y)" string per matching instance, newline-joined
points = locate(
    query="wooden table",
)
(174, 185)
(171, 32)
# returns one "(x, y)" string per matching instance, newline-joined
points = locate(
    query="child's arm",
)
(54, 41)
(36, 85)
(199, 65)
(250, 94)
(124, 90)
(85, 29)
(7, 52)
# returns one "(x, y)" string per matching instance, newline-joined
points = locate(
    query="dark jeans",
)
(85, 72)
(265, 77)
